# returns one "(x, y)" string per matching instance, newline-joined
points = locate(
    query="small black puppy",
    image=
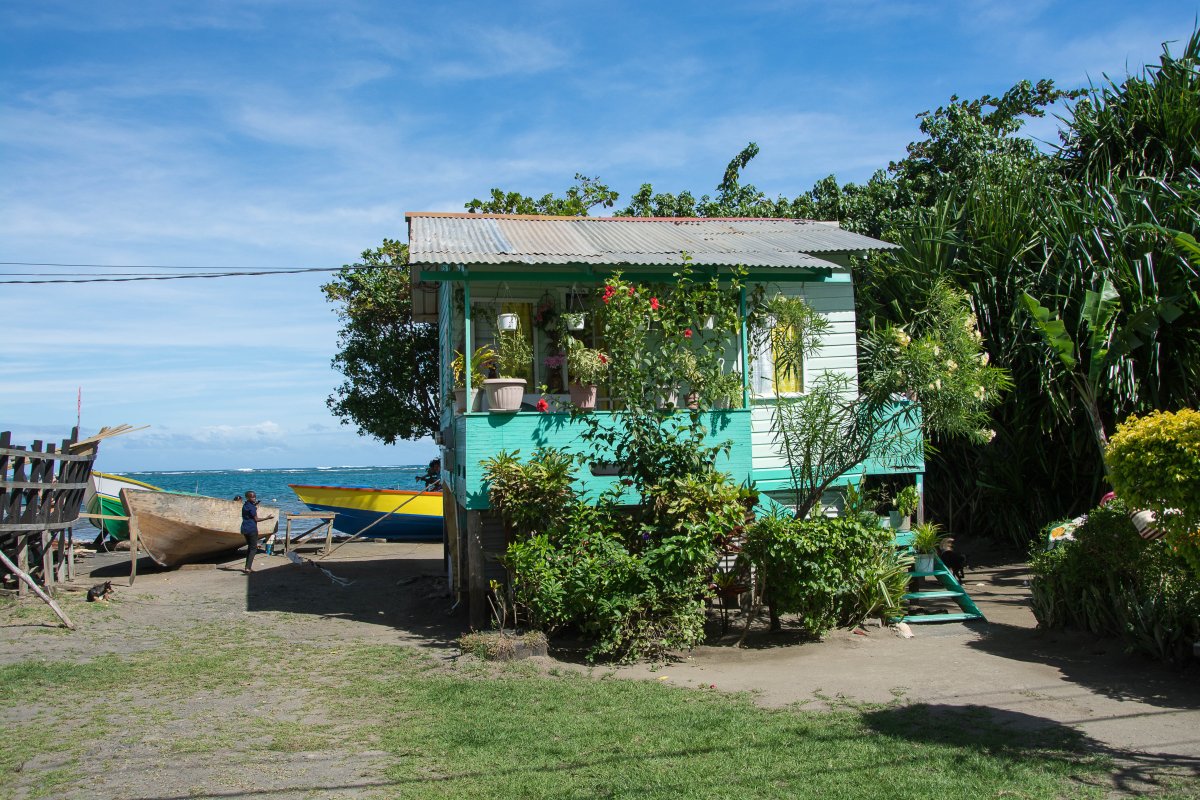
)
(101, 591)
(955, 561)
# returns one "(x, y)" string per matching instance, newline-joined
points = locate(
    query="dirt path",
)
(1145, 714)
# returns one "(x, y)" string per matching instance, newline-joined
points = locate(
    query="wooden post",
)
(26, 580)
(476, 580)
(920, 478)
(287, 536)
(47, 562)
(71, 554)
(133, 548)
(329, 538)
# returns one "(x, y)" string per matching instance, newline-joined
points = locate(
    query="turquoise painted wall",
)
(480, 436)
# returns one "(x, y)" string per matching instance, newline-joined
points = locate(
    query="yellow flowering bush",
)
(1154, 462)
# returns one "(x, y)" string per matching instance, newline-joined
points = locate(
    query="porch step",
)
(963, 617)
(935, 595)
(951, 590)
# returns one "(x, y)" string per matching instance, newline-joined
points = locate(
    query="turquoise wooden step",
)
(937, 573)
(934, 595)
(942, 617)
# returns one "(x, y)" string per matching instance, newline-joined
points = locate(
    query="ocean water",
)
(271, 485)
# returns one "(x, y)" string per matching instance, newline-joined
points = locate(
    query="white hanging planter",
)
(709, 322)
(507, 322)
(769, 321)
(575, 320)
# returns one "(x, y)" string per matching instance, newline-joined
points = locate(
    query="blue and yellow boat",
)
(397, 514)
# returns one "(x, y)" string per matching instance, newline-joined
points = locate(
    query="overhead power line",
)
(50, 277)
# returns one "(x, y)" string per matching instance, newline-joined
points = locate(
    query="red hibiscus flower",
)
(608, 293)
(542, 405)
(631, 291)
(603, 358)
(687, 333)
(654, 303)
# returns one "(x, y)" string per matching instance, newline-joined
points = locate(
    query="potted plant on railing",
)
(481, 359)
(586, 367)
(904, 505)
(727, 390)
(506, 391)
(926, 539)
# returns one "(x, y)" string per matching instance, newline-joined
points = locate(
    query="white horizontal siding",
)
(838, 353)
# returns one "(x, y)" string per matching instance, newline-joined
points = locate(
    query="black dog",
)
(955, 561)
(101, 591)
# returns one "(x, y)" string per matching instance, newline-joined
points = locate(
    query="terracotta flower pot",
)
(505, 394)
(460, 399)
(583, 396)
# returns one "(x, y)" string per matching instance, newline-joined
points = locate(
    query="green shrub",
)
(821, 569)
(633, 581)
(1154, 463)
(1109, 581)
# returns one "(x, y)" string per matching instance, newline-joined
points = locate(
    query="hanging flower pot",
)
(507, 322)
(575, 320)
(709, 322)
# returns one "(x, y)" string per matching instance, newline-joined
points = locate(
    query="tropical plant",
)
(818, 569)
(927, 538)
(533, 497)
(515, 354)
(907, 500)
(481, 360)
(585, 365)
(1107, 580)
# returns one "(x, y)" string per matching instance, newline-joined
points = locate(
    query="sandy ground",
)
(1145, 714)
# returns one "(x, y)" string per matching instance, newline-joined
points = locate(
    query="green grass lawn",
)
(476, 730)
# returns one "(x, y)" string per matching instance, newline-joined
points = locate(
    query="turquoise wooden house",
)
(469, 269)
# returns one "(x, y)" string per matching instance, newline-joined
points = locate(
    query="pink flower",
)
(687, 333)
(543, 406)
(654, 303)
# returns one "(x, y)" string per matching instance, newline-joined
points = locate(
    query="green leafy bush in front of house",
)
(1107, 580)
(632, 580)
(533, 496)
(823, 569)
(1154, 463)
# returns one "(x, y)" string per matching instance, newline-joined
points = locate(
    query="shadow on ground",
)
(405, 593)
(1017, 736)
(1096, 663)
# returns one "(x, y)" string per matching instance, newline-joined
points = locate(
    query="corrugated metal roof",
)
(517, 239)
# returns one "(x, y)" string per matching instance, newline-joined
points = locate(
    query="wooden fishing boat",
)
(174, 528)
(103, 496)
(398, 514)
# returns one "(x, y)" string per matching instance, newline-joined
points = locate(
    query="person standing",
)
(250, 520)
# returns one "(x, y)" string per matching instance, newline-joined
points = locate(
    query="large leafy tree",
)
(389, 361)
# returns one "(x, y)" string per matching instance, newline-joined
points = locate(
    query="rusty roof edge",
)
(409, 215)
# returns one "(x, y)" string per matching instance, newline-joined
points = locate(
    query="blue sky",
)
(269, 134)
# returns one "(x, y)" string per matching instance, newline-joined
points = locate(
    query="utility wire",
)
(138, 277)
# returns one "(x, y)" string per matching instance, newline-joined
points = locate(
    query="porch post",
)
(468, 351)
(744, 355)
